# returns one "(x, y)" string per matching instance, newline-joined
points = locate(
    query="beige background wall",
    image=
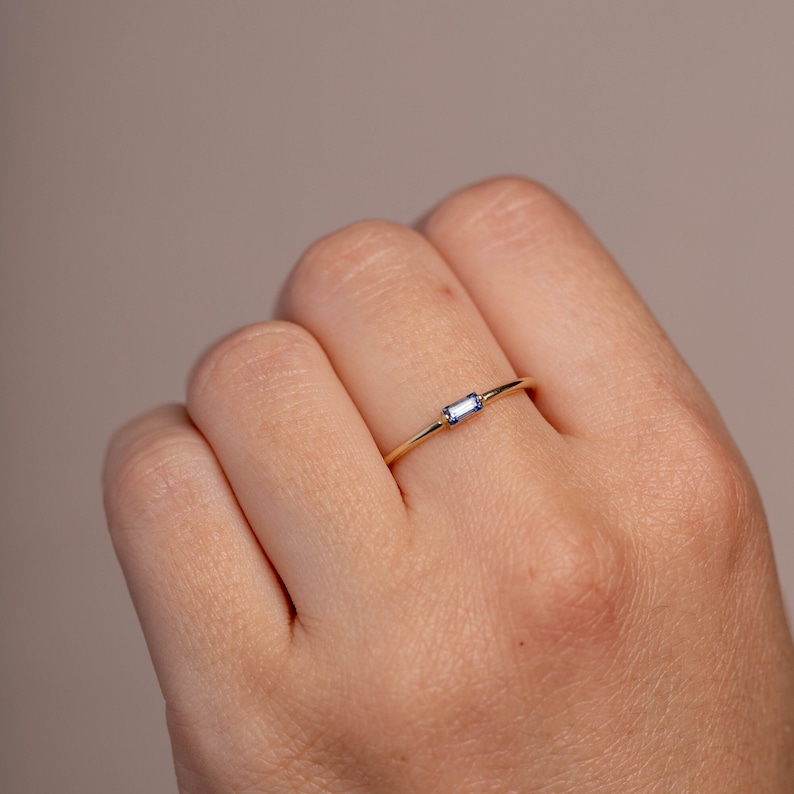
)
(163, 163)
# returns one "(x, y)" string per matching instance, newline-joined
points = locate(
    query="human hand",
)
(575, 594)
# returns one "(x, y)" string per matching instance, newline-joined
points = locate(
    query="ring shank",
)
(527, 384)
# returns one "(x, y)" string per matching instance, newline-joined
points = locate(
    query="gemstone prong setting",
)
(462, 409)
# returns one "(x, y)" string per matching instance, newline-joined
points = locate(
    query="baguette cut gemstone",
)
(462, 409)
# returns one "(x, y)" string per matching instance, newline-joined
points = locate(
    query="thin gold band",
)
(458, 411)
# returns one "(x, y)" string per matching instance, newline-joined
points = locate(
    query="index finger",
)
(562, 309)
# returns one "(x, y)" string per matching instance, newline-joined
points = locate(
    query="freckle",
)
(521, 644)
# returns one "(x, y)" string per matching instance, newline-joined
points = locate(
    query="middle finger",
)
(406, 339)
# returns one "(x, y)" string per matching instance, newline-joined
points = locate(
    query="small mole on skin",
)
(521, 644)
(447, 293)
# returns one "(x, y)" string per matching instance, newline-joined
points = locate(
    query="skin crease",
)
(575, 594)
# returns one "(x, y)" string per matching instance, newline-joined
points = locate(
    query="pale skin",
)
(571, 594)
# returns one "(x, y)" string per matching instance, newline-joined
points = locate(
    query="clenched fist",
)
(569, 591)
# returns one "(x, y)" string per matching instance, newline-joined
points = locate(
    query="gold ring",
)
(458, 411)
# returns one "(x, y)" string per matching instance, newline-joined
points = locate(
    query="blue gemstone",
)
(462, 409)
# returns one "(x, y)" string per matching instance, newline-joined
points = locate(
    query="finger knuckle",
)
(163, 468)
(715, 494)
(507, 208)
(265, 355)
(361, 257)
(573, 584)
(690, 491)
